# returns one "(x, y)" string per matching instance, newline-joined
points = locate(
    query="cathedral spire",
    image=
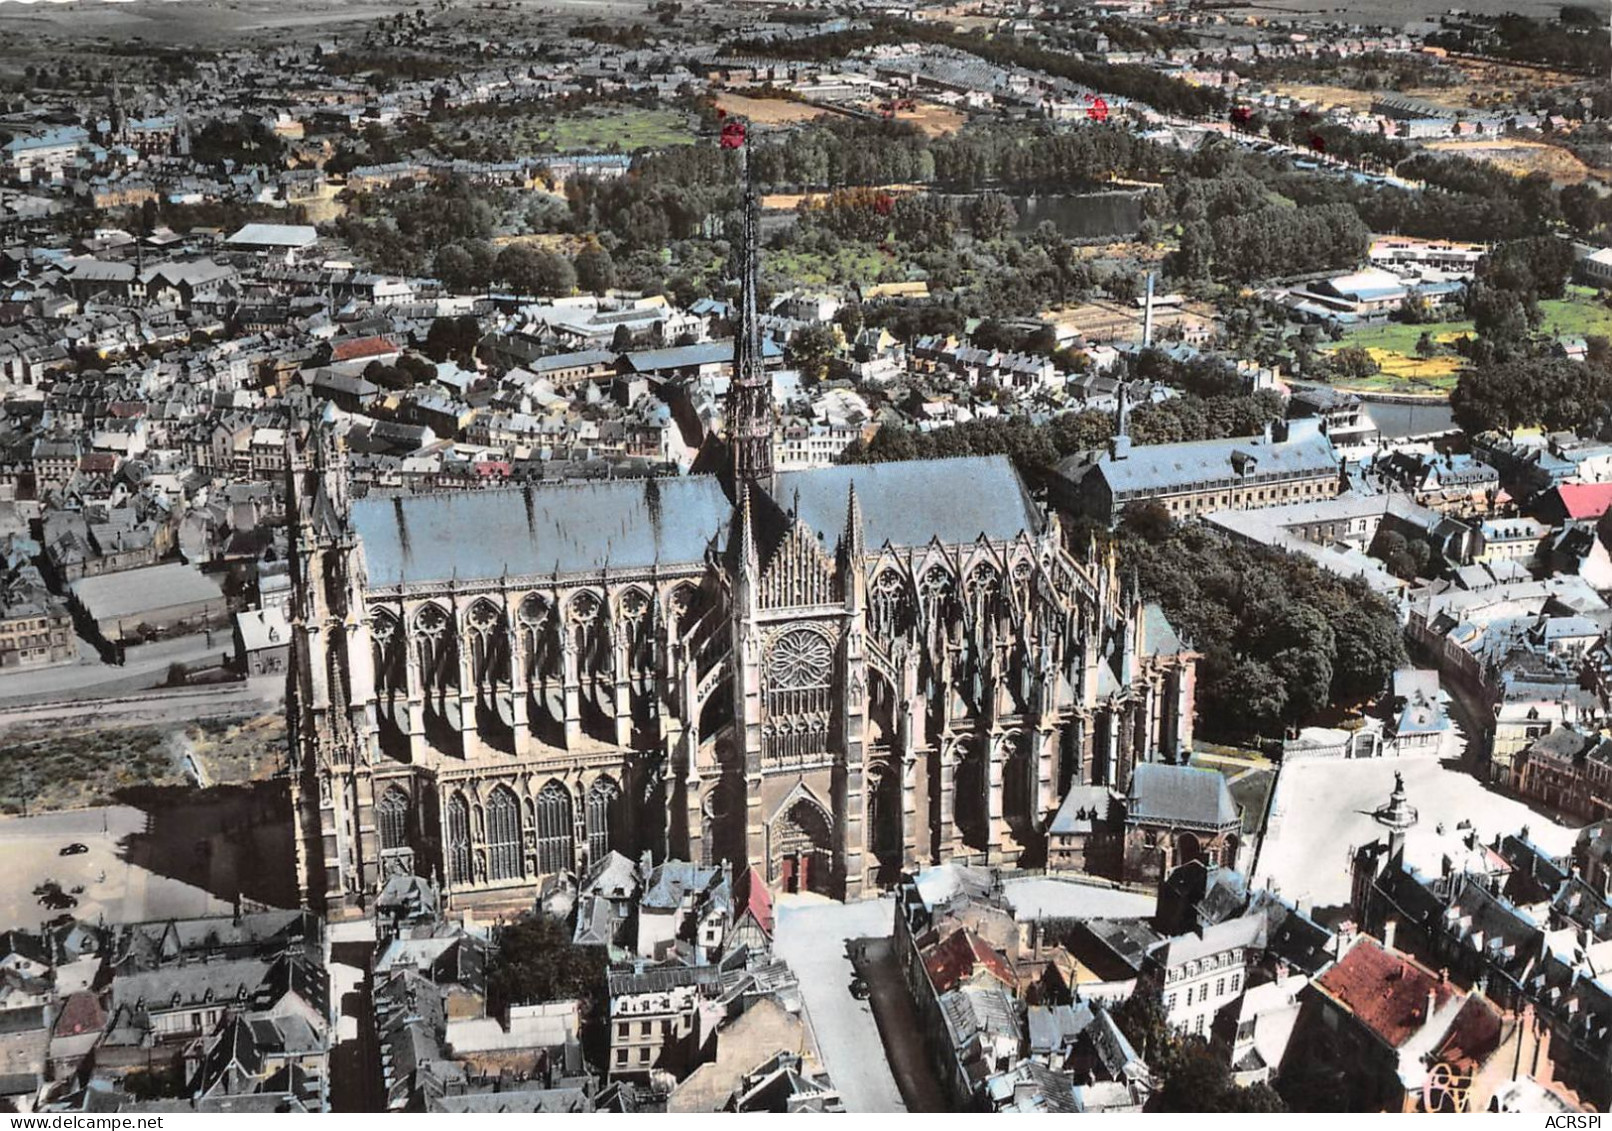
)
(749, 407)
(854, 538)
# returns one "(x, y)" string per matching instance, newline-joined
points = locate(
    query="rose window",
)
(799, 659)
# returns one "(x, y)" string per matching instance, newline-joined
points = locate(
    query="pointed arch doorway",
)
(801, 845)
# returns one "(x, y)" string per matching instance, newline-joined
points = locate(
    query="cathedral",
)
(833, 675)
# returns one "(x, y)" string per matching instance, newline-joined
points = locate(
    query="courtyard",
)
(1323, 810)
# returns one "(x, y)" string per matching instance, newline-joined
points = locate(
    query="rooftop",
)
(138, 590)
(1179, 795)
(1386, 991)
(543, 529)
(910, 503)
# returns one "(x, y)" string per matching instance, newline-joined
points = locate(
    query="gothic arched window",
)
(437, 657)
(460, 869)
(485, 627)
(555, 831)
(537, 628)
(387, 636)
(602, 799)
(504, 835)
(392, 818)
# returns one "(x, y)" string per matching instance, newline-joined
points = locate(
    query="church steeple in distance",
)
(749, 408)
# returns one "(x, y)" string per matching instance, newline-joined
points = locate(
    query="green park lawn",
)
(852, 263)
(623, 130)
(1393, 344)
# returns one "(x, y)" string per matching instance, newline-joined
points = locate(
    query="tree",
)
(536, 961)
(455, 267)
(811, 350)
(532, 272)
(991, 215)
(1425, 346)
(595, 269)
(1194, 258)
(1353, 362)
(1582, 207)
(621, 340)
(1498, 315)
(1142, 1019)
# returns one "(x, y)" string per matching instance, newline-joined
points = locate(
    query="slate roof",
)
(540, 529)
(1162, 467)
(911, 502)
(274, 235)
(684, 357)
(1179, 795)
(133, 591)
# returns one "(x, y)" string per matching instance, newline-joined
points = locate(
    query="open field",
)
(212, 23)
(1327, 96)
(769, 111)
(853, 263)
(1388, 13)
(1482, 84)
(621, 129)
(789, 201)
(233, 752)
(1393, 344)
(934, 119)
(1521, 157)
(55, 766)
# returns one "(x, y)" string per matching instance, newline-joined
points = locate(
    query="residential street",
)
(812, 936)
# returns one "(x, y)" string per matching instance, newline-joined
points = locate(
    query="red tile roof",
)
(955, 959)
(81, 1013)
(354, 348)
(1384, 990)
(1585, 500)
(754, 897)
(1473, 1037)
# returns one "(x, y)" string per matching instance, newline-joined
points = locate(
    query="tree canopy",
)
(1281, 639)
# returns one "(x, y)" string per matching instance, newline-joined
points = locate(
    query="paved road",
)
(180, 705)
(899, 1028)
(812, 936)
(89, 678)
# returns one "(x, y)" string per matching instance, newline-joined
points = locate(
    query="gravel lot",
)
(30, 847)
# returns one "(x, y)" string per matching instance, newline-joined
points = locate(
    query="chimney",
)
(1147, 314)
(1390, 928)
(1432, 1003)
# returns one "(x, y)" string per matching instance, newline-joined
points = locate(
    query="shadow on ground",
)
(875, 962)
(230, 841)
